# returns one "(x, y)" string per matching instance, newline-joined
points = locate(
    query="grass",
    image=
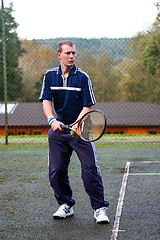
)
(106, 139)
(105, 135)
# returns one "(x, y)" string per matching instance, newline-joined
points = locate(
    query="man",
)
(72, 94)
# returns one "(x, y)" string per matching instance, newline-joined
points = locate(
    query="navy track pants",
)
(61, 147)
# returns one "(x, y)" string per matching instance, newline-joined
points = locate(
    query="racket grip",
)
(64, 126)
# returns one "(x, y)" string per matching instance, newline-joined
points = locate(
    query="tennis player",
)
(71, 91)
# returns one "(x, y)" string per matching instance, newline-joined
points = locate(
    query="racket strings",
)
(92, 126)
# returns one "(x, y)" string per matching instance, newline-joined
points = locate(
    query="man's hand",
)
(56, 126)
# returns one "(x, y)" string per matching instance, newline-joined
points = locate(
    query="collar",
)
(72, 71)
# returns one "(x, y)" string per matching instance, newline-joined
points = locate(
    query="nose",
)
(71, 55)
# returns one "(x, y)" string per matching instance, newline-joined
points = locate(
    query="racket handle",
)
(64, 126)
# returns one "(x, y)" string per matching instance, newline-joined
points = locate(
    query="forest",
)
(124, 69)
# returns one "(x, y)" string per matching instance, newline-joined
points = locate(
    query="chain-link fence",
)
(125, 73)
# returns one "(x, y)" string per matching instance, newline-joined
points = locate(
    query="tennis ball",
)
(73, 133)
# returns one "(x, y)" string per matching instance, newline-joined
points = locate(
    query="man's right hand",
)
(56, 126)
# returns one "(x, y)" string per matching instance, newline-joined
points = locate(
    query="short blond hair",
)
(65, 42)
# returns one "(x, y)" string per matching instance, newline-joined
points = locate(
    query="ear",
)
(59, 55)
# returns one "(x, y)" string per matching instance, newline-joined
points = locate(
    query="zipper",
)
(64, 81)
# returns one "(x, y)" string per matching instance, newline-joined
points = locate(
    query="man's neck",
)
(65, 70)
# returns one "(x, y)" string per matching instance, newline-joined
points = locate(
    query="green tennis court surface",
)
(131, 176)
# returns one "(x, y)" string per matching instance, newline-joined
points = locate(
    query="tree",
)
(137, 83)
(13, 52)
(141, 75)
(152, 50)
(106, 79)
(35, 61)
(86, 62)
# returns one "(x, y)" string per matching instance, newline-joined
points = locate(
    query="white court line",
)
(120, 203)
(144, 174)
(122, 194)
(146, 162)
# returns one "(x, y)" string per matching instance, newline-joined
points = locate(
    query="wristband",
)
(51, 119)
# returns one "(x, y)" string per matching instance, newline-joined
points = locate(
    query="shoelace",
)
(66, 209)
(104, 209)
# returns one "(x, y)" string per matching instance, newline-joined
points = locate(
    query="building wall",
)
(133, 130)
(43, 130)
(23, 130)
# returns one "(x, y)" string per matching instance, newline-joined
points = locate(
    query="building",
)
(131, 117)
(24, 119)
(122, 118)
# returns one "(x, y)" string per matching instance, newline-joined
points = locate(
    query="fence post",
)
(4, 72)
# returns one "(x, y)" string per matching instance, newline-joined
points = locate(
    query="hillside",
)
(119, 48)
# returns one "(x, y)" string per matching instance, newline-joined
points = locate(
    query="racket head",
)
(92, 126)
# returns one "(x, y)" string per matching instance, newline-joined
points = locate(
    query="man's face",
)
(67, 56)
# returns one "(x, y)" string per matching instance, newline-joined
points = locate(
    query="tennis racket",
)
(90, 127)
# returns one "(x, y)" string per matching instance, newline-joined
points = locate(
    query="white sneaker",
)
(63, 211)
(101, 215)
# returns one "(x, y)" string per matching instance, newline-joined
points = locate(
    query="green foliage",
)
(141, 69)
(13, 51)
(152, 49)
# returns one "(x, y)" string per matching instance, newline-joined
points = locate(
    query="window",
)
(10, 133)
(152, 132)
(37, 133)
(21, 133)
